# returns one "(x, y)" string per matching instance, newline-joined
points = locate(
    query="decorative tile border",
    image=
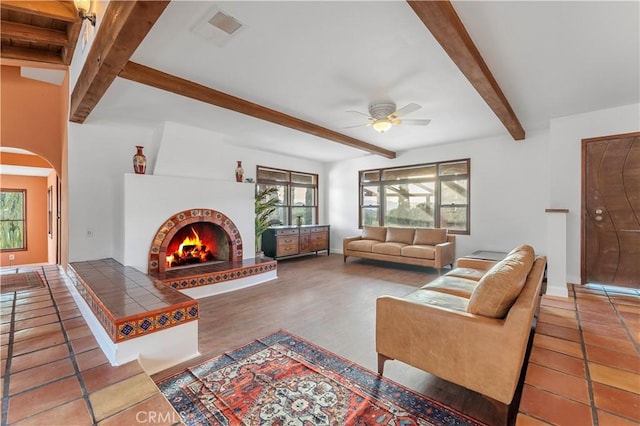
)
(222, 276)
(122, 329)
(169, 228)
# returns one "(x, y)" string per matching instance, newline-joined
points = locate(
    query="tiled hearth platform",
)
(127, 302)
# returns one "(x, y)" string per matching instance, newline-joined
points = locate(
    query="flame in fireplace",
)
(191, 250)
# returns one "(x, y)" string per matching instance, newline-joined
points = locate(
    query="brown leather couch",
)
(470, 326)
(414, 246)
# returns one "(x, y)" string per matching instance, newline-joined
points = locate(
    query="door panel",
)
(611, 210)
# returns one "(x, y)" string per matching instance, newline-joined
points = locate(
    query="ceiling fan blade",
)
(416, 122)
(361, 113)
(407, 109)
(358, 125)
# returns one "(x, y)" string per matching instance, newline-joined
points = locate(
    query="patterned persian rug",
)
(21, 281)
(284, 380)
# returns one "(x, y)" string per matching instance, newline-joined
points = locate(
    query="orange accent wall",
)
(36, 227)
(31, 112)
(10, 158)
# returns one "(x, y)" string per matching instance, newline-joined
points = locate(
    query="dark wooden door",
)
(611, 210)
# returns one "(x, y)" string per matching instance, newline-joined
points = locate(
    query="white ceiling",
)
(316, 60)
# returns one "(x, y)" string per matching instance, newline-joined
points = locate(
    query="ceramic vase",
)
(139, 161)
(239, 172)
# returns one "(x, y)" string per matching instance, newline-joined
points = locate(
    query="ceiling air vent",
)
(217, 26)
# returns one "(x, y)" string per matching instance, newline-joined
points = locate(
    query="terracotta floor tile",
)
(117, 397)
(74, 322)
(632, 308)
(623, 403)
(67, 306)
(612, 343)
(615, 377)
(558, 302)
(608, 419)
(46, 319)
(78, 332)
(33, 306)
(28, 300)
(561, 321)
(558, 345)
(43, 398)
(40, 357)
(31, 345)
(556, 312)
(604, 329)
(41, 331)
(32, 314)
(554, 408)
(524, 420)
(614, 359)
(73, 313)
(558, 331)
(61, 415)
(599, 318)
(558, 361)
(558, 383)
(37, 376)
(84, 344)
(106, 374)
(155, 410)
(90, 359)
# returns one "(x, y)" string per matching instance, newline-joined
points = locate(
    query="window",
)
(297, 195)
(12, 219)
(425, 195)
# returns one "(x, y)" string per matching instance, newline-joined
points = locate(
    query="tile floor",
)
(584, 367)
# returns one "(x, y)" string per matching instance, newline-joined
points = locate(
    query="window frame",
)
(23, 220)
(437, 181)
(289, 185)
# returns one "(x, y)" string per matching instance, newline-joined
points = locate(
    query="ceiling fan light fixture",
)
(382, 126)
(83, 7)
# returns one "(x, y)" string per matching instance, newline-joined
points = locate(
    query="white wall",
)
(509, 191)
(100, 157)
(565, 165)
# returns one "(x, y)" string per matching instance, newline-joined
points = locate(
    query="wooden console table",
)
(288, 241)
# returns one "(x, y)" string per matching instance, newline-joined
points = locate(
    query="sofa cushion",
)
(378, 233)
(452, 285)
(468, 273)
(361, 245)
(400, 235)
(393, 249)
(430, 237)
(420, 252)
(499, 288)
(436, 298)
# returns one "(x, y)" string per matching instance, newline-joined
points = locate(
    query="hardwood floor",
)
(331, 304)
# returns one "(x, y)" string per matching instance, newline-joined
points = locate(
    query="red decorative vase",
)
(239, 172)
(139, 161)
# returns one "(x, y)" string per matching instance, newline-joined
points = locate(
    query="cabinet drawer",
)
(284, 232)
(322, 229)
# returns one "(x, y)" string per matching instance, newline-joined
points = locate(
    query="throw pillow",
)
(499, 288)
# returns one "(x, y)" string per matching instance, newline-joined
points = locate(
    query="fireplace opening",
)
(196, 244)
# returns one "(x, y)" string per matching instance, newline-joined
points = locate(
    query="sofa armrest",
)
(445, 254)
(460, 347)
(480, 264)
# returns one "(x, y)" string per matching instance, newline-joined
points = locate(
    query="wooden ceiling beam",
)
(123, 27)
(64, 11)
(443, 22)
(30, 33)
(73, 34)
(33, 55)
(170, 83)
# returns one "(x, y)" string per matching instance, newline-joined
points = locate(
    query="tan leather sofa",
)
(470, 326)
(414, 246)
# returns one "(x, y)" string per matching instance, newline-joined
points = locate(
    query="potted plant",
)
(265, 204)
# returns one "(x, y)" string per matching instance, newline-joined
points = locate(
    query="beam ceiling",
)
(158, 79)
(443, 22)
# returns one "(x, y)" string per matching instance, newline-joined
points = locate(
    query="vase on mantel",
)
(239, 171)
(139, 161)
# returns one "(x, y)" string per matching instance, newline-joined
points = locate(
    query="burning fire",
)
(191, 250)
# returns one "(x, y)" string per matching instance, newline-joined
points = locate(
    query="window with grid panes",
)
(297, 195)
(434, 195)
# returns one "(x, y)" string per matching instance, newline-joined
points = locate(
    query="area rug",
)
(284, 380)
(21, 281)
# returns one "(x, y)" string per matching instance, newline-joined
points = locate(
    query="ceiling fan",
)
(382, 116)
